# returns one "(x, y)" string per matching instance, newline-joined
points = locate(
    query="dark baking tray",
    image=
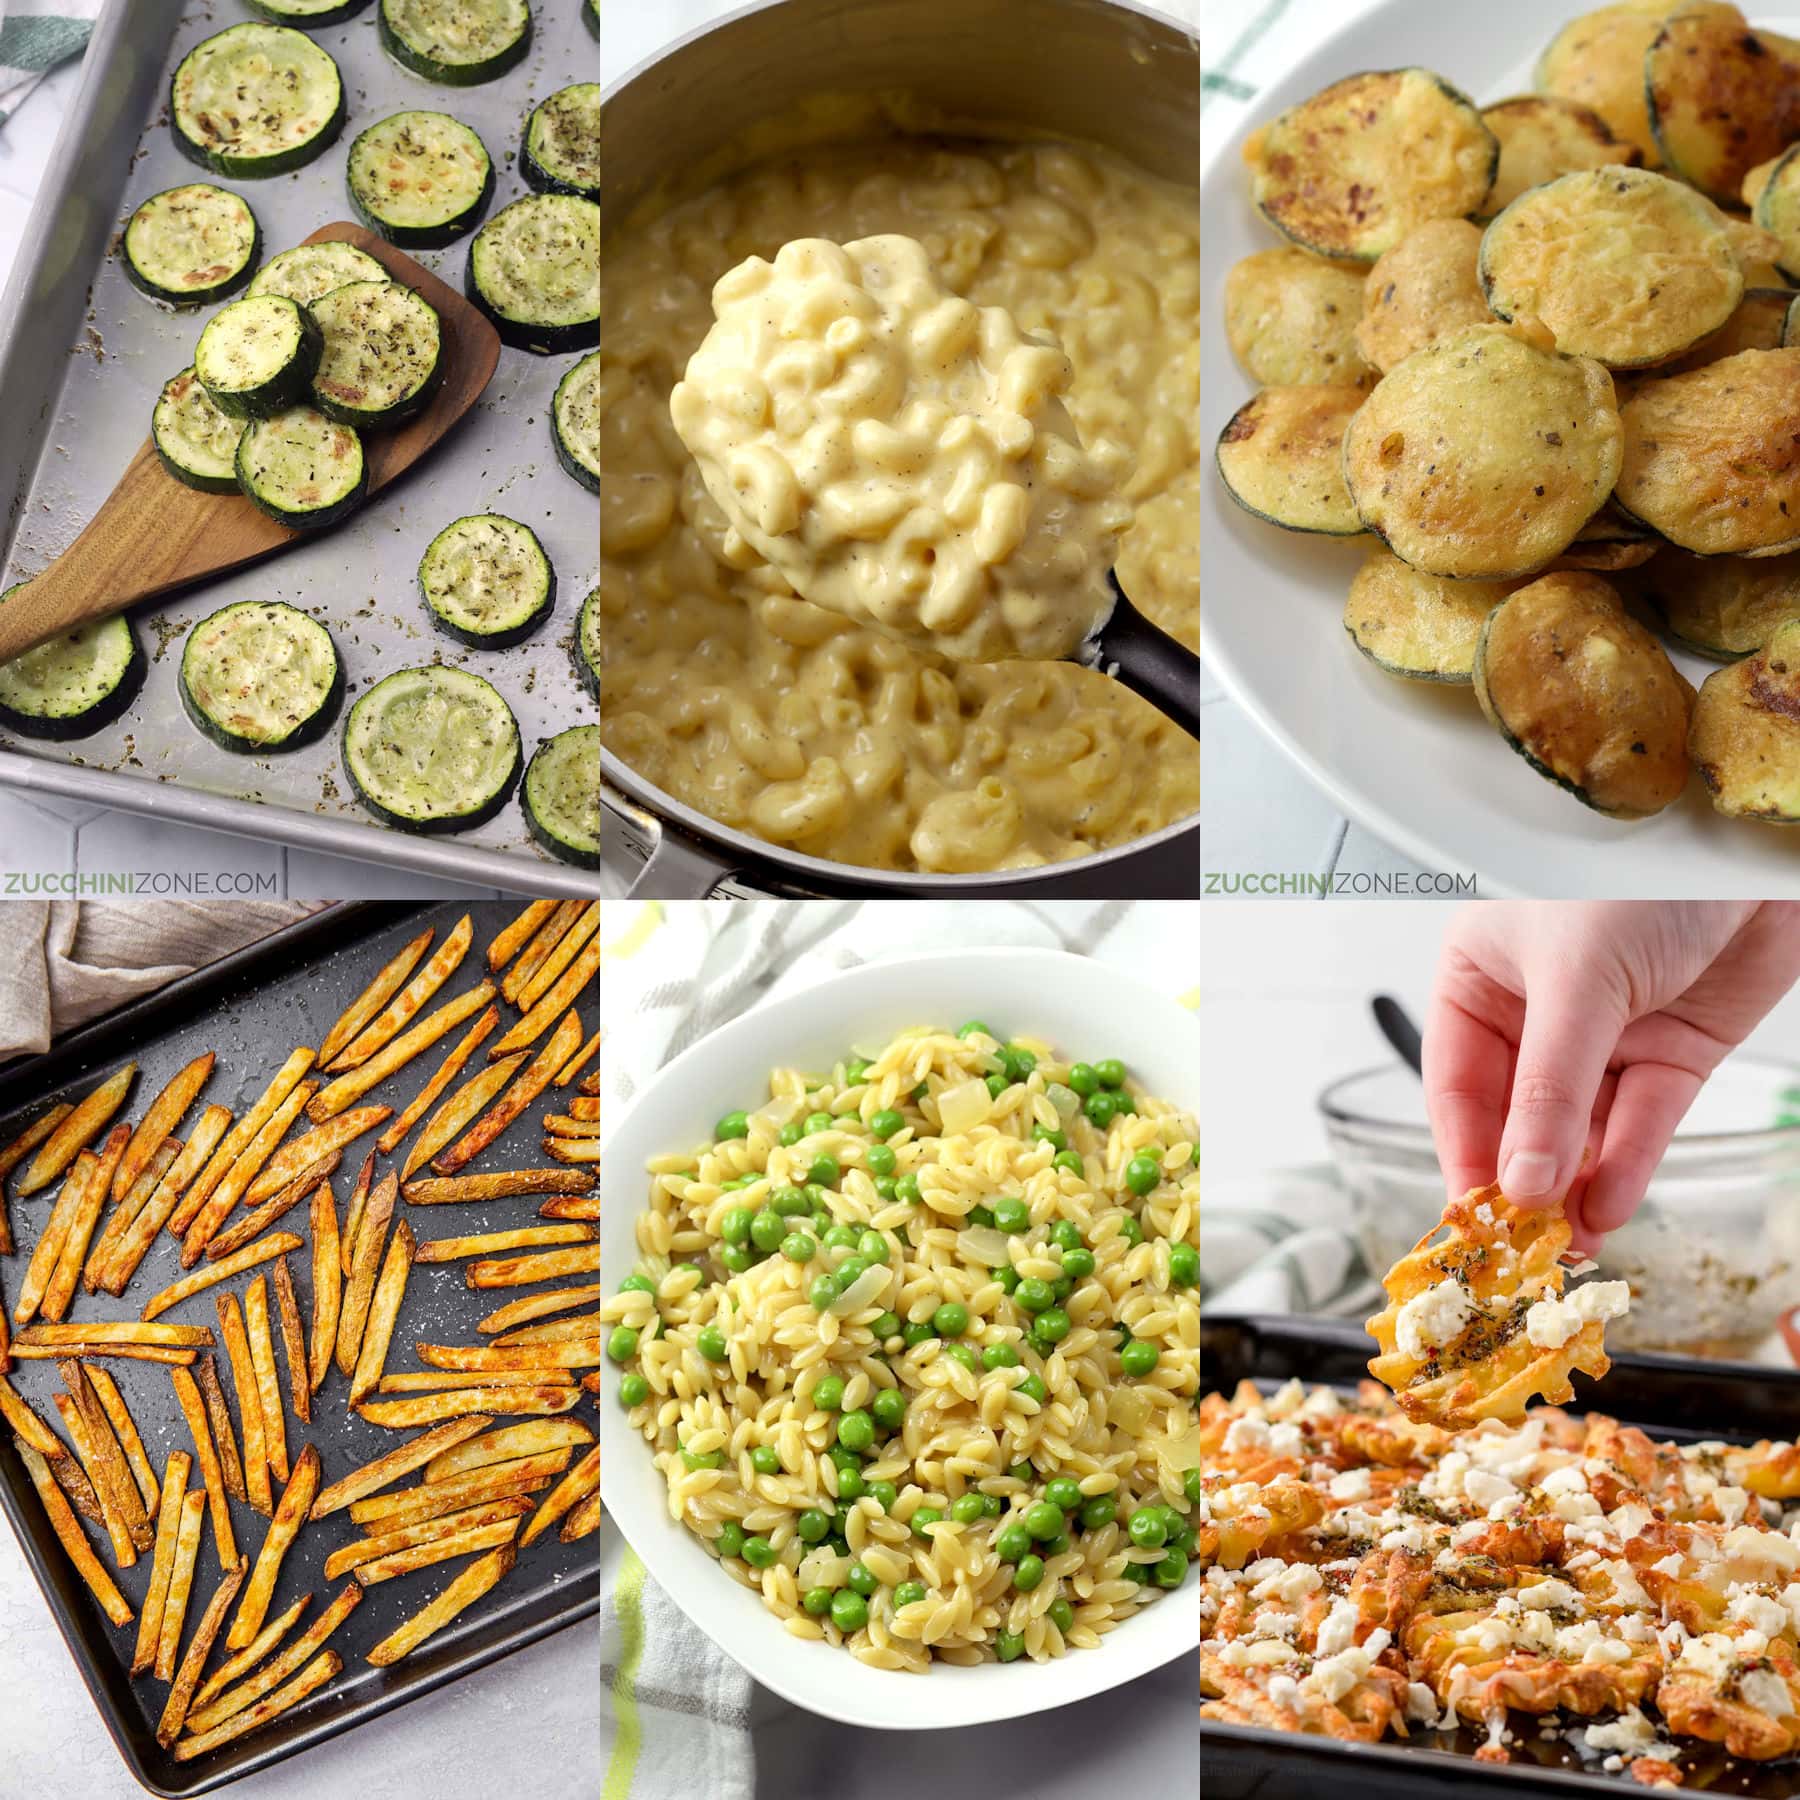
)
(251, 1009)
(1673, 1396)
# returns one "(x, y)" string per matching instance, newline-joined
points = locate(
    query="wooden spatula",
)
(153, 535)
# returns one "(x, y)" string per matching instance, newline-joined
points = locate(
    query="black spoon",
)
(1145, 659)
(1399, 1030)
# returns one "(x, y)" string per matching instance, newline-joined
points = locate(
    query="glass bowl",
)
(1712, 1255)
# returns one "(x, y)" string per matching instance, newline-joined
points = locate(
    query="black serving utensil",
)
(1145, 659)
(1399, 1030)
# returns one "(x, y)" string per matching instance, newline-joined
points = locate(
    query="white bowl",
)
(1075, 1003)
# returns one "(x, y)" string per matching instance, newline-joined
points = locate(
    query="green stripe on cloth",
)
(35, 45)
(1219, 80)
(628, 1600)
(1228, 85)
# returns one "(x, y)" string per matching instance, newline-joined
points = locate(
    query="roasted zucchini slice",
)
(1282, 458)
(382, 356)
(1482, 456)
(585, 647)
(1722, 607)
(420, 178)
(190, 245)
(304, 470)
(575, 422)
(195, 441)
(75, 684)
(561, 152)
(1777, 211)
(1352, 170)
(307, 14)
(256, 100)
(1415, 625)
(1745, 738)
(312, 270)
(1586, 695)
(260, 676)
(534, 269)
(1623, 265)
(1425, 288)
(1597, 60)
(590, 15)
(1543, 136)
(560, 795)
(1712, 458)
(1290, 318)
(256, 356)
(456, 42)
(1720, 99)
(487, 582)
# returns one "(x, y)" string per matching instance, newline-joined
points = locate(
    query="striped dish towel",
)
(37, 36)
(1246, 44)
(679, 1712)
(1282, 1243)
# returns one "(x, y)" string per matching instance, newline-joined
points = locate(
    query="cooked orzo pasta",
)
(916, 1347)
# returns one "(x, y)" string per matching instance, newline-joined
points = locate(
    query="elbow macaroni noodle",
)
(901, 456)
(781, 719)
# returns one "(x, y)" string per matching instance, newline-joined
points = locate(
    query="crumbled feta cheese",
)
(1551, 1323)
(1709, 1654)
(1237, 1498)
(1549, 1593)
(1429, 1320)
(1410, 1536)
(1284, 1691)
(1337, 1630)
(1765, 1692)
(1321, 1403)
(1294, 1582)
(1225, 1579)
(1249, 1432)
(1630, 1731)
(1732, 1503)
(1243, 1653)
(1287, 1398)
(1582, 1559)
(1285, 1439)
(1334, 1676)
(1626, 1588)
(1629, 1519)
(1751, 1544)
(1486, 1489)
(1353, 1484)
(1670, 1564)
(1575, 1507)
(1264, 1567)
(1751, 1608)
(1421, 1705)
(1567, 1480)
(1634, 1628)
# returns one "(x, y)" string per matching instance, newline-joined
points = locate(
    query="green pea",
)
(996, 1086)
(828, 1393)
(1042, 1519)
(1071, 1161)
(797, 1247)
(733, 1125)
(1101, 1510)
(1044, 1135)
(622, 1343)
(883, 1493)
(1131, 1231)
(1171, 1572)
(1138, 1572)
(873, 1247)
(1111, 1072)
(849, 1484)
(992, 1506)
(965, 1509)
(856, 1072)
(818, 1121)
(999, 1356)
(889, 1325)
(919, 1093)
(1063, 1493)
(788, 1202)
(926, 1515)
(1028, 1571)
(1062, 1616)
(737, 1257)
(703, 1459)
(917, 1331)
(1078, 1265)
(962, 1353)
(1033, 1386)
(1101, 1109)
(861, 1579)
(909, 1593)
(825, 1171)
(1008, 1278)
(758, 1552)
(711, 1343)
(764, 1459)
(1009, 1646)
(1065, 1234)
(767, 1230)
(973, 1026)
(1184, 1265)
(730, 1541)
(883, 1124)
(849, 1611)
(634, 1390)
(1190, 1485)
(1032, 1294)
(817, 1198)
(739, 1181)
(821, 1291)
(1147, 1528)
(1011, 1213)
(951, 1319)
(812, 1525)
(1011, 1542)
(1124, 1102)
(880, 1159)
(640, 1284)
(839, 1237)
(1183, 1542)
(907, 1188)
(1061, 1288)
(1083, 1078)
(816, 1601)
(1139, 1358)
(856, 1430)
(889, 1408)
(1051, 1326)
(1143, 1172)
(886, 1187)
(979, 1215)
(1017, 1062)
(789, 1135)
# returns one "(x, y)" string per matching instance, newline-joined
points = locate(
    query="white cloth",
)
(35, 37)
(1281, 1243)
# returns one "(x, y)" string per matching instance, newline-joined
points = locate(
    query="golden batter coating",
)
(1291, 319)
(1425, 288)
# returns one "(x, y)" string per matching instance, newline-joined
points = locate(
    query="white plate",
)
(1069, 1000)
(1417, 763)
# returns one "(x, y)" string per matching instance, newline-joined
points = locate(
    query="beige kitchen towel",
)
(63, 962)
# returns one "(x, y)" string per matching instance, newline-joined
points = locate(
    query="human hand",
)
(1568, 1030)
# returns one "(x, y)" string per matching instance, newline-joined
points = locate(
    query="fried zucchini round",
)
(1712, 458)
(1418, 626)
(1543, 136)
(1482, 456)
(1722, 607)
(1755, 180)
(1352, 170)
(1745, 737)
(1598, 60)
(1423, 289)
(1790, 323)
(1623, 265)
(1757, 324)
(1281, 457)
(1720, 99)
(1586, 695)
(1291, 319)
(1777, 210)
(1605, 559)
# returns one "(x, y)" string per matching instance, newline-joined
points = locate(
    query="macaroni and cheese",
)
(902, 456)
(774, 716)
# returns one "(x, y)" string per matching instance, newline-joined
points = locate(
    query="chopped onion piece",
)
(1066, 1101)
(823, 1567)
(777, 1113)
(983, 1244)
(963, 1107)
(862, 1292)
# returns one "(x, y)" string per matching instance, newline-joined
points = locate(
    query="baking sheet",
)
(1672, 1397)
(252, 1010)
(83, 357)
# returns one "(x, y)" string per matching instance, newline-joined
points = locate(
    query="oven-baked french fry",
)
(224, 1437)
(575, 981)
(374, 997)
(327, 1286)
(523, 1237)
(293, 1341)
(73, 1539)
(384, 1309)
(573, 1150)
(584, 1521)
(82, 1219)
(576, 1353)
(194, 1411)
(354, 1083)
(151, 1353)
(427, 1409)
(528, 1438)
(181, 1582)
(571, 1206)
(6, 1361)
(120, 1331)
(76, 1130)
(187, 1677)
(277, 1243)
(241, 1173)
(125, 1429)
(292, 1161)
(584, 1106)
(290, 1514)
(446, 1072)
(218, 1701)
(359, 1198)
(551, 969)
(47, 1253)
(508, 942)
(22, 1416)
(106, 1457)
(371, 1239)
(353, 1555)
(581, 1481)
(165, 1113)
(168, 1526)
(240, 1661)
(590, 1382)
(404, 1008)
(239, 1139)
(458, 1110)
(436, 1381)
(268, 1383)
(249, 1399)
(503, 1184)
(254, 1224)
(392, 1464)
(541, 1265)
(550, 1331)
(431, 1499)
(591, 1085)
(537, 1306)
(543, 941)
(112, 1519)
(530, 1082)
(563, 1126)
(437, 1550)
(131, 1203)
(578, 1061)
(310, 1679)
(468, 1587)
(16, 1152)
(138, 1234)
